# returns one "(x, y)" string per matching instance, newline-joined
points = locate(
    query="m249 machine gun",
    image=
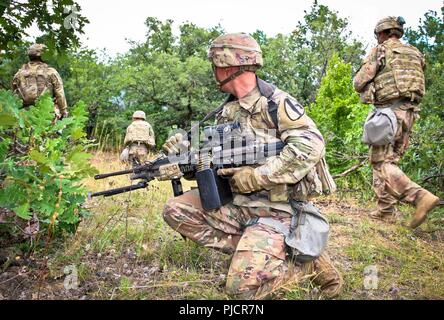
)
(224, 147)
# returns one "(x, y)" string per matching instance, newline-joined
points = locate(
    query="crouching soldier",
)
(251, 226)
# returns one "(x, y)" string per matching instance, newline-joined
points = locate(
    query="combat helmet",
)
(236, 49)
(36, 50)
(139, 115)
(390, 22)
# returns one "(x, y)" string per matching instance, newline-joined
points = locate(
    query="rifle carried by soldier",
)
(224, 146)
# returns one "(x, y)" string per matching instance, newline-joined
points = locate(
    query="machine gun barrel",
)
(134, 170)
(107, 193)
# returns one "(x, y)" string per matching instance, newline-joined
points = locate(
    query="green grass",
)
(413, 266)
(125, 250)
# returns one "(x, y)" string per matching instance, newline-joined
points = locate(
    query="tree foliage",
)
(429, 38)
(168, 76)
(340, 115)
(425, 158)
(298, 62)
(50, 17)
(41, 164)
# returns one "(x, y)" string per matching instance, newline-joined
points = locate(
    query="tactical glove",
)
(175, 144)
(124, 156)
(244, 180)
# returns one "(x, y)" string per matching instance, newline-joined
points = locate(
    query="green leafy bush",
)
(42, 164)
(424, 160)
(340, 115)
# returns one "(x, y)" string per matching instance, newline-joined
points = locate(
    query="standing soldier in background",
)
(392, 76)
(35, 78)
(251, 226)
(139, 139)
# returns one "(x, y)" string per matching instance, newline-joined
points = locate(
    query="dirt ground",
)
(31, 276)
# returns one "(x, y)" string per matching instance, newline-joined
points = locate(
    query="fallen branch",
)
(431, 177)
(354, 168)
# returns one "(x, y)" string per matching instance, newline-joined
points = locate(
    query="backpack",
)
(29, 79)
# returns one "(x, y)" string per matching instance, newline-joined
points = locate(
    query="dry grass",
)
(125, 250)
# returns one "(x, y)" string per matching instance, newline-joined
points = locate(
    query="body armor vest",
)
(402, 74)
(139, 131)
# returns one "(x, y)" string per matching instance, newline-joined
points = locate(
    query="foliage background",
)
(42, 165)
(168, 76)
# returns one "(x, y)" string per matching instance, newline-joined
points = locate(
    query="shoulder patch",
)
(293, 109)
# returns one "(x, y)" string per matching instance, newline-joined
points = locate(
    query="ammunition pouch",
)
(214, 190)
(169, 172)
(380, 127)
(317, 182)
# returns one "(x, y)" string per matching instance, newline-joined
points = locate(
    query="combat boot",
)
(378, 215)
(423, 205)
(327, 276)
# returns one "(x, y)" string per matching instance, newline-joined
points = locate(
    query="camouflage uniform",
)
(139, 138)
(392, 77)
(35, 78)
(260, 262)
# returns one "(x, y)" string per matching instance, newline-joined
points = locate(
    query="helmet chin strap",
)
(232, 77)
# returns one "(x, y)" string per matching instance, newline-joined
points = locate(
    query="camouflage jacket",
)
(41, 78)
(292, 173)
(140, 131)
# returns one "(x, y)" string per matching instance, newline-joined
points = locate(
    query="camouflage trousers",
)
(389, 182)
(138, 153)
(259, 263)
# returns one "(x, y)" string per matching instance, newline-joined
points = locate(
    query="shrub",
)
(42, 164)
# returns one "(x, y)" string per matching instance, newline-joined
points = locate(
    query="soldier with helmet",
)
(260, 262)
(392, 78)
(139, 139)
(35, 78)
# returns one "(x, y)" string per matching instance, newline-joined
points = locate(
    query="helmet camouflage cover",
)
(235, 49)
(391, 22)
(36, 50)
(139, 115)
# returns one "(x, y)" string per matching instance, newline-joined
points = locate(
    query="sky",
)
(114, 21)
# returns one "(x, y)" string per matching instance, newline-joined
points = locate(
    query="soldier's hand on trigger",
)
(175, 143)
(244, 180)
